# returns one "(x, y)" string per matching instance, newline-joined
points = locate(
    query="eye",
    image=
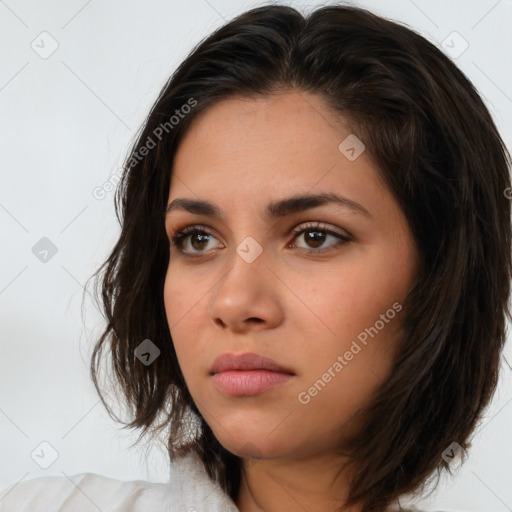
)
(197, 236)
(195, 239)
(316, 234)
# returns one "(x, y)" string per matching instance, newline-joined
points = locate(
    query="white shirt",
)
(189, 489)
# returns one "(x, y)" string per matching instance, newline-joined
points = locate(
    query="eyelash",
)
(178, 238)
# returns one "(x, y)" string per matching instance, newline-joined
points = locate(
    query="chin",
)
(249, 445)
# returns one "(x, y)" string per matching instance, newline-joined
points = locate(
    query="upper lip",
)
(247, 361)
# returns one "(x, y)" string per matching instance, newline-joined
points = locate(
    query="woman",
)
(314, 265)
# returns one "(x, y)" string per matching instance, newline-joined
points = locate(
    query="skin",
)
(300, 308)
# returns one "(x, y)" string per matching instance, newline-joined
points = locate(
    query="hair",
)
(439, 153)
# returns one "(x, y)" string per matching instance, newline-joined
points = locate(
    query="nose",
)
(247, 297)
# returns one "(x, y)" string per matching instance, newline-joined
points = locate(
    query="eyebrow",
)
(274, 210)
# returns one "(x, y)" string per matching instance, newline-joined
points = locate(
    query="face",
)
(315, 285)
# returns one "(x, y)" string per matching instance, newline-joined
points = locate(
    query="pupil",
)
(203, 239)
(317, 240)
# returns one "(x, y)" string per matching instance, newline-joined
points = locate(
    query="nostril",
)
(218, 321)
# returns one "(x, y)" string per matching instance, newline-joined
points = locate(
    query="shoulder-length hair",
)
(438, 151)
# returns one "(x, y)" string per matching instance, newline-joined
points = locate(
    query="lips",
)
(248, 375)
(248, 361)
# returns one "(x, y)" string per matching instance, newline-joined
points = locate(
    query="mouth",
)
(247, 361)
(248, 374)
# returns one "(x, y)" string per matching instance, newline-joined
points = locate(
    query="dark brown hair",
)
(439, 153)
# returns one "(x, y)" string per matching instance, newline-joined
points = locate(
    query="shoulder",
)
(412, 508)
(189, 489)
(85, 492)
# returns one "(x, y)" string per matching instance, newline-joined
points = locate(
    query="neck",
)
(274, 485)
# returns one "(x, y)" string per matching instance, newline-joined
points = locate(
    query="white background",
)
(67, 122)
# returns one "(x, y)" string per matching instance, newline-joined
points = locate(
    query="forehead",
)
(290, 138)
(232, 123)
(245, 153)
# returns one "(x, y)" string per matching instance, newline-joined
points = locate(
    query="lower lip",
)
(248, 382)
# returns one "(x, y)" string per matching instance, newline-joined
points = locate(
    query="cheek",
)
(185, 291)
(344, 302)
(182, 302)
(350, 312)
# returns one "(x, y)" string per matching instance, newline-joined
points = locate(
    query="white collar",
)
(189, 482)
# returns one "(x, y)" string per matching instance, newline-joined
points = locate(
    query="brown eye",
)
(194, 237)
(315, 236)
